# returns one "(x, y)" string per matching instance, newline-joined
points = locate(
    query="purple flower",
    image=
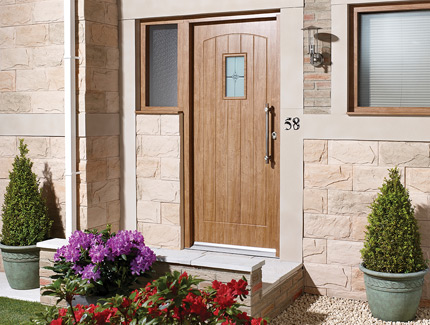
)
(98, 253)
(88, 273)
(143, 261)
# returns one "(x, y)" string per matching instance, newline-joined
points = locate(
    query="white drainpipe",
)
(70, 114)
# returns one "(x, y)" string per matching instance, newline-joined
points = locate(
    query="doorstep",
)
(273, 284)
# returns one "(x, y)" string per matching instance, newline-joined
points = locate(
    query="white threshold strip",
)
(234, 249)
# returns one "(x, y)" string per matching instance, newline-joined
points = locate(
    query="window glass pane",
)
(163, 65)
(394, 64)
(235, 76)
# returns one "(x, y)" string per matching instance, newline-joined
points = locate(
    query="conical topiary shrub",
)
(393, 262)
(24, 213)
(392, 241)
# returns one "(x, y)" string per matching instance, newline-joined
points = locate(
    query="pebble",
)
(323, 310)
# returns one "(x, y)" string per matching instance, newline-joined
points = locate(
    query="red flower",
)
(258, 321)
(57, 321)
(238, 287)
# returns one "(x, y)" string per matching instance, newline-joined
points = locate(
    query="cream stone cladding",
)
(98, 106)
(158, 148)
(341, 179)
(32, 96)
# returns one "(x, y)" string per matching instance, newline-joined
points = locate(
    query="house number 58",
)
(292, 123)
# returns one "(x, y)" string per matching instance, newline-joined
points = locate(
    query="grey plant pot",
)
(21, 265)
(393, 296)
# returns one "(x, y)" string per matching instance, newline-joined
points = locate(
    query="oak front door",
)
(236, 134)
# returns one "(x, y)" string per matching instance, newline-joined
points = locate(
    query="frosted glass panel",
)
(394, 60)
(163, 65)
(235, 76)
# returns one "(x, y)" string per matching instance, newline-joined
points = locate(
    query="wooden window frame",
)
(354, 39)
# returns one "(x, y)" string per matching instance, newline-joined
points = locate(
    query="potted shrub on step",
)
(25, 222)
(393, 262)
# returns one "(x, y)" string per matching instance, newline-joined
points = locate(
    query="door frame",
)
(185, 97)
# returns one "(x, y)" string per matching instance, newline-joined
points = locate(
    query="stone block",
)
(409, 154)
(367, 178)
(32, 35)
(102, 34)
(37, 147)
(102, 79)
(55, 78)
(347, 294)
(32, 80)
(315, 201)
(171, 213)
(315, 151)
(353, 152)
(7, 39)
(94, 11)
(56, 33)
(424, 227)
(96, 216)
(102, 192)
(113, 168)
(95, 56)
(15, 15)
(328, 176)
(112, 58)
(40, 104)
(170, 168)
(48, 11)
(57, 148)
(111, 13)
(14, 59)
(148, 167)
(112, 102)
(344, 252)
(148, 212)
(5, 166)
(169, 124)
(350, 203)
(159, 235)
(96, 170)
(314, 250)
(327, 226)
(8, 146)
(113, 211)
(92, 101)
(159, 146)
(358, 228)
(421, 202)
(417, 180)
(148, 124)
(14, 102)
(102, 147)
(157, 190)
(48, 56)
(357, 280)
(327, 276)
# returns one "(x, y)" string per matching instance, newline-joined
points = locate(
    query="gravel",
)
(316, 310)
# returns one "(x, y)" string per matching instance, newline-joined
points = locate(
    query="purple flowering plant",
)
(110, 262)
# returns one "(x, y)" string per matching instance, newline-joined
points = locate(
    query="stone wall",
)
(317, 80)
(32, 82)
(98, 96)
(341, 179)
(158, 179)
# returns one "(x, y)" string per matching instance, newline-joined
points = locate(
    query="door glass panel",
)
(163, 65)
(235, 76)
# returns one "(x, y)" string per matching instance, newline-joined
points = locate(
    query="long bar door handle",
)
(267, 110)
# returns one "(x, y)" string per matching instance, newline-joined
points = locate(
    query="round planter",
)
(393, 296)
(88, 300)
(21, 265)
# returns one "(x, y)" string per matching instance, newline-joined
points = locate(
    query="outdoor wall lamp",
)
(316, 58)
